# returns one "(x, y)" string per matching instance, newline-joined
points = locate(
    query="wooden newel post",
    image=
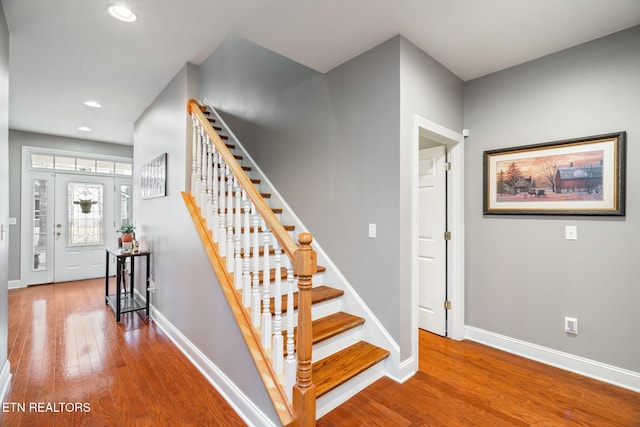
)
(304, 397)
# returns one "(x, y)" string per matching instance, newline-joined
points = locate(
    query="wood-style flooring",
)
(469, 384)
(65, 346)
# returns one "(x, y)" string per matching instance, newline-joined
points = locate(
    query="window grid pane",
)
(41, 161)
(104, 167)
(85, 165)
(123, 168)
(65, 163)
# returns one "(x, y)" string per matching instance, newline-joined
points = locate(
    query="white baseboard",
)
(243, 406)
(569, 362)
(405, 370)
(5, 378)
(15, 284)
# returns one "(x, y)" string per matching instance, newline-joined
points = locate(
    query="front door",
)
(432, 250)
(83, 225)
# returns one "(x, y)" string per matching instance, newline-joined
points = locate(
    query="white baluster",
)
(290, 364)
(209, 202)
(266, 296)
(246, 262)
(215, 217)
(230, 252)
(198, 189)
(203, 169)
(229, 197)
(194, 149)
(237, 244)
(278, 339)
(222, 233)
(255, 279)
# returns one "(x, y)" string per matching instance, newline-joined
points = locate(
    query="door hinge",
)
(447, 235)
(447, 305)
(447, 166)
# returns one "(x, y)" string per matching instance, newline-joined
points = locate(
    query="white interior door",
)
(432, 250)
(84, 224)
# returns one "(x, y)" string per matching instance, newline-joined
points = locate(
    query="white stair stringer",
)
(371, 331)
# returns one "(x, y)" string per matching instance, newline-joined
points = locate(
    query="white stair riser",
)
(317, 311)
(347, 390)
(335, 344)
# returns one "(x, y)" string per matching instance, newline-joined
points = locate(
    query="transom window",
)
(80, 164)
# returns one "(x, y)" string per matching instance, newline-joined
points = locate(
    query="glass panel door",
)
(84, 224)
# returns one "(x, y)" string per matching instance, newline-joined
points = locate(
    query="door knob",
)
(58, 234)
(58, 225)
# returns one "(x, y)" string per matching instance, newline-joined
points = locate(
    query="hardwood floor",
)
(468, 384)
(65, 346)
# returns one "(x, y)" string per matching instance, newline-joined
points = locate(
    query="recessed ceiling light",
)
(84, 129)
(93, 104)
(122, 13)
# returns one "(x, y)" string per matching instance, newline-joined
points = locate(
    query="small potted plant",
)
(127, 236)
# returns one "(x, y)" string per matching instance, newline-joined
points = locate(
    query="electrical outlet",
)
(571, 325)
(372, 230)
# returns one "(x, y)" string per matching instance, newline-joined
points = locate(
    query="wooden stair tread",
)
(327, 327)
(283, 276)
(318, 294)
(260, 252)
(264, 195)
(260, 230)
(334, 324)
(253, 180)
(274, 210)
(340, 367)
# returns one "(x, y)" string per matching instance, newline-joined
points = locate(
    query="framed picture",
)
(583, 176)
(153, 178)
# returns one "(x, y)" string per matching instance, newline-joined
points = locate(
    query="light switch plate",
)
(372, 230)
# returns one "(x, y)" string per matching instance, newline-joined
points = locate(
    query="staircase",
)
(240, 226)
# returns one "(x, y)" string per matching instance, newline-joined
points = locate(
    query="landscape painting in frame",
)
(584, 176)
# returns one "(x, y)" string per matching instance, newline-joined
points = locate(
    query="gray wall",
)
(187, 291)
(432, 92)
(18, 139)
(336, 147)
(586, 90)
(4, 178)
(329, 143)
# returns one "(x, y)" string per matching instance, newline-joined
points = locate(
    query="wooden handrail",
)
(304, 260)
(276, 392)
(286, 242)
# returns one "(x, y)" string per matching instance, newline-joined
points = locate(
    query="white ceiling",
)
(64, 52)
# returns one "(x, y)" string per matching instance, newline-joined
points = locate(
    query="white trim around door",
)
(455, 220)
(120, 172)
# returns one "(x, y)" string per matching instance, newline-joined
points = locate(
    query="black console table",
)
(125, 301)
